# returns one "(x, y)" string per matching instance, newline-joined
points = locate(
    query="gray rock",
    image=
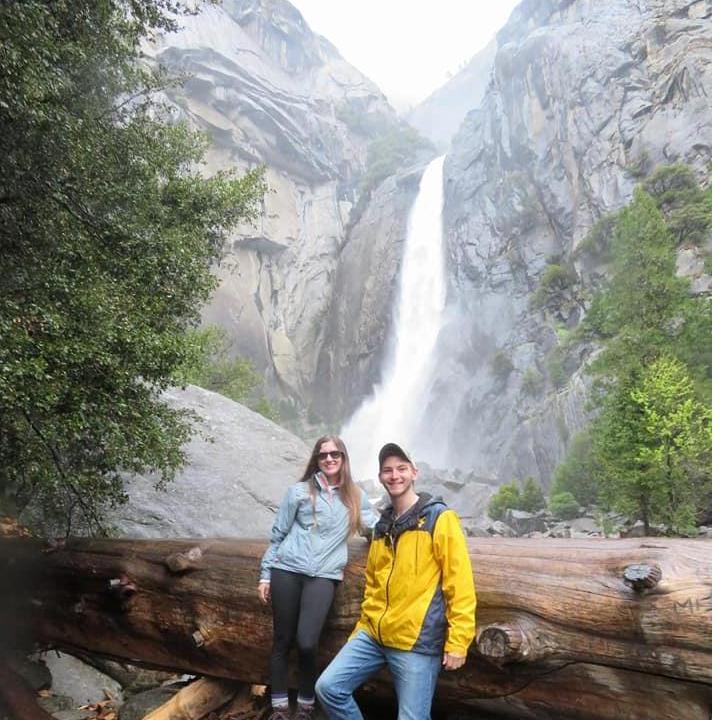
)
(57, 703)
(132, 678)
(74, 714)
(32, 670)
(583, 526)
(560, 530)
(80, 682)
(524, 523)
(500, 528)
(238, 470)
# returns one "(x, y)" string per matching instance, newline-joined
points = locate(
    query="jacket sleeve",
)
(368, 516)
(284, 520)
(458, 585)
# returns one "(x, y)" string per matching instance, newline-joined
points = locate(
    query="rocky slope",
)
(239, 466)
(584, 96)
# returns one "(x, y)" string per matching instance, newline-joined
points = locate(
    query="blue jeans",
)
(415, 676)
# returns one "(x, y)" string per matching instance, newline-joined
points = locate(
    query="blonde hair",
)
(347, 489)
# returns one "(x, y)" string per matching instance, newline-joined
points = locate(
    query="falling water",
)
(394, 410)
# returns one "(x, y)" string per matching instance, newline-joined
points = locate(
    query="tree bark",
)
(195, 701)
(579, 629)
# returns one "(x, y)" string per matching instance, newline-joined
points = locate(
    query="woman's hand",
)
(263, 591)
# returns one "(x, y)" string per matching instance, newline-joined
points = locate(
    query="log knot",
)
(183, 561)
(501, 644)
(642, 577)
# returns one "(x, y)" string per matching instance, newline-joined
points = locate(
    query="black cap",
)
(392, 450)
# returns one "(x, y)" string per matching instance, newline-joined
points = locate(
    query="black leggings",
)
(300, 605)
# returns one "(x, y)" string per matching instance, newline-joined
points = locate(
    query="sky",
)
(407, 47)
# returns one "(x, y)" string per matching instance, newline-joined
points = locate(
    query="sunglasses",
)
(334, 454)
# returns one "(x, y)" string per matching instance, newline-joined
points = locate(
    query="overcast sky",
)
(407, 47)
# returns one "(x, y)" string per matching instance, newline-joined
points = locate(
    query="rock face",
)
(583, 94)
(271, 92)
(359, 316)
(439, 116)
(239, 467)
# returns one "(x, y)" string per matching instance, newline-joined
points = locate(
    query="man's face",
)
(397, 476)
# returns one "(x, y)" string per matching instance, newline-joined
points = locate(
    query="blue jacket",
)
(313, 544)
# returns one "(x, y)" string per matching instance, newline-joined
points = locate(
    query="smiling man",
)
(418, 613)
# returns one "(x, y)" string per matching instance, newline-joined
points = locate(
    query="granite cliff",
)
(571, 104)
(584, 98)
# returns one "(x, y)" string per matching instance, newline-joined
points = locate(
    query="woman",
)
(305, 562)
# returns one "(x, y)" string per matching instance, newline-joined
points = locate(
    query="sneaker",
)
(304, 712)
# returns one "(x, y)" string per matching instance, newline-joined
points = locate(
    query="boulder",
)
(239, 466)
(524, 523)
(82, 683)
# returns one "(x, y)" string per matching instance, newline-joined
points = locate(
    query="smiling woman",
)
(304, 563)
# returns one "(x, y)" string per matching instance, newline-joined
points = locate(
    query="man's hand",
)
(263, 591)
(451, 661)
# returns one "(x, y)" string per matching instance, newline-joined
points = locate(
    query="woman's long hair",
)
(348, 491)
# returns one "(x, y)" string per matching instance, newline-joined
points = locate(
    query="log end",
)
(642, 577)
(500, 644)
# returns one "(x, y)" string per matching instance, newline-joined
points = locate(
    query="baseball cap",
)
(392, 450)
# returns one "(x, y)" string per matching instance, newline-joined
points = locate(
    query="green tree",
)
(213, 367)
(109, 231)
(564, 506)
(653, 441)
(636, 315)
(508, 496)
(531, 496)
(578, 473)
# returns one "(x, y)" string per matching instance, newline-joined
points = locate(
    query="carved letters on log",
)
(583, 629)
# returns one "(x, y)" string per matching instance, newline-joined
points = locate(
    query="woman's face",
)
(330, 460)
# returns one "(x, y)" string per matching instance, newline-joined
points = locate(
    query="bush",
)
(564, 506)
(501, 365)
(556, 279)
(214, 369)
(578, 473)
(508, 496)
(532, 382)
(531, 497)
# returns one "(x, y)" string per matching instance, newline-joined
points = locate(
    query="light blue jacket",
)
(313, 544)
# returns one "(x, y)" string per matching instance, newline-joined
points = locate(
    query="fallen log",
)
(195, 701)
(580, 629)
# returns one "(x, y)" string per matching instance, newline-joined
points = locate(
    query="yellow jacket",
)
(419, 588)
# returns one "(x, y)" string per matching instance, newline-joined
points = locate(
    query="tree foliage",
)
(213, 367)
(653, 442)
(578, 474)
(510, 496)
(646, 454)
(109, 232)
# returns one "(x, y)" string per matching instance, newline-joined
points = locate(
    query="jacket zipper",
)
(387, 588)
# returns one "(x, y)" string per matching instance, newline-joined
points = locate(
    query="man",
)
(418, 613)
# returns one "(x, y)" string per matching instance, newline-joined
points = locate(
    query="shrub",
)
(532, 382)
(508, 496)
(501, 365)
(556, 279)
(564, 506)
(531, 497)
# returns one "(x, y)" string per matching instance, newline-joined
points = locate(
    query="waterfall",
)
(394, 410)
